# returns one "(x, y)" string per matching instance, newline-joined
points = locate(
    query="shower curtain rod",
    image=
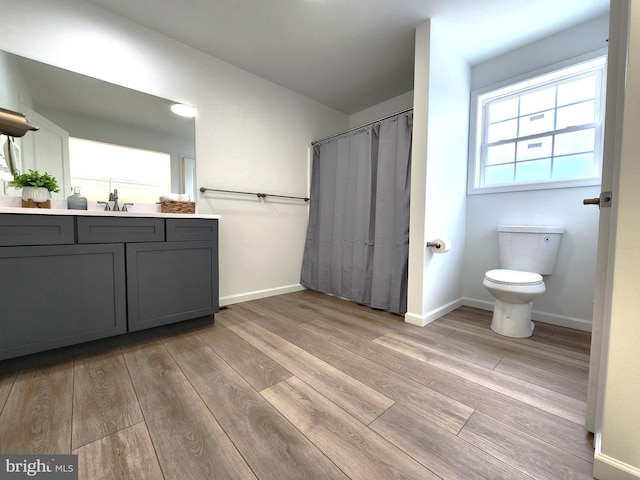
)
(361, 126)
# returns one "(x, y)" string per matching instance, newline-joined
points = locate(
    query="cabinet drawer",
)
(187, 229)
(18, 229)
(120, 229)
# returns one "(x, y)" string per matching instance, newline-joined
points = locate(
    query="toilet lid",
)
(513, 277)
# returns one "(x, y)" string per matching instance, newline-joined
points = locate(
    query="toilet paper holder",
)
(439, 245)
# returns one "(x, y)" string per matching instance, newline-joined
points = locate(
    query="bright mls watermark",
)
(49, 467)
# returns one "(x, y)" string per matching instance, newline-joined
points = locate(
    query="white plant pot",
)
(37, 194)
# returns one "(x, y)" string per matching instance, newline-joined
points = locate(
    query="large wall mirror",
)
(85, 121)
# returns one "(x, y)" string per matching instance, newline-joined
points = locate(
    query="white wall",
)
(568, 300)
(381, 110)
(250, 134)
(570, 43)
(12, 92)
(438, 177)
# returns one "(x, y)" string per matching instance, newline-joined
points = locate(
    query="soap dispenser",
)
(76, 201)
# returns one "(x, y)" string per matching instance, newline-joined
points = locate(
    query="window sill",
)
(521, 187)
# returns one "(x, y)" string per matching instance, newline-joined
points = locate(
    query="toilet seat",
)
(513, 277)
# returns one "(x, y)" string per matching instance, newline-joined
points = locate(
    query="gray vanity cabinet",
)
(101, 276)
(58, 294)
(171, 265)
(170, 281)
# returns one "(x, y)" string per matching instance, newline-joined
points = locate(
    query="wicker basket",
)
(173, 206)
(31, 204)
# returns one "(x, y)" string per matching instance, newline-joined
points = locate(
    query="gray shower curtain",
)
(357, 243)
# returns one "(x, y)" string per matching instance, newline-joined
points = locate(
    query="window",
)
(140, 176)
(545, 132)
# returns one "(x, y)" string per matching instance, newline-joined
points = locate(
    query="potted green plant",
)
(35, 186)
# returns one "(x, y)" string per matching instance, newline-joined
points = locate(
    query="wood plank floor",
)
(305, 385)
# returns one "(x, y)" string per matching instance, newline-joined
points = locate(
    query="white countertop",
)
(12, 205)
(102, 213)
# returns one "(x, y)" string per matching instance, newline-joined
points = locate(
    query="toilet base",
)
(512, 320)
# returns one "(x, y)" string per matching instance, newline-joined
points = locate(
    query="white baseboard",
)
(608, 468)
(427, 318)
(562, 321)
(269, 292)
(551, 318)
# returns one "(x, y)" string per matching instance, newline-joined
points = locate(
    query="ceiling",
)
(349, 54)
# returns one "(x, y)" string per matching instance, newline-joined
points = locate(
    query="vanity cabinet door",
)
(170, 282)
(54, 296)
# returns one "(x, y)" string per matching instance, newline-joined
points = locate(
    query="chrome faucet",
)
(113, 197)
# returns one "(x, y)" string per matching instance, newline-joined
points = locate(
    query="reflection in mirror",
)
(120, 138)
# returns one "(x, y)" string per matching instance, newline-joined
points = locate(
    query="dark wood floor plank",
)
(543, 330)
(465, 342)
(567, 338)
(566, 343)
(36, 418)
(126, 454)
(470, 353)
(297, 314)
(439, 409)
(255, 367)
(544, 333)
(568, 367)
(560, 432)
(474, 315)
(188, 440)
(361, 401)
(542, 398)
(350, 316)
(273, 448)
(558, 383)
(104, 401)
(577, 336)
(445, 454)
(6, 382)
(185, 341)
(266, 307)
(356, 449)
(533, 457)
(461, 320)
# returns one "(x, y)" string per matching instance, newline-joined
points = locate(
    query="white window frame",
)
(548, 75)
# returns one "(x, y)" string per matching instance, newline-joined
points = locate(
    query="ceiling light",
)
(183, 110)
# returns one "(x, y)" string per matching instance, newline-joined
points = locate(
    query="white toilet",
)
(526, 253)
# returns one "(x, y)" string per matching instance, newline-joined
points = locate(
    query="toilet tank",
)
(529, 248)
